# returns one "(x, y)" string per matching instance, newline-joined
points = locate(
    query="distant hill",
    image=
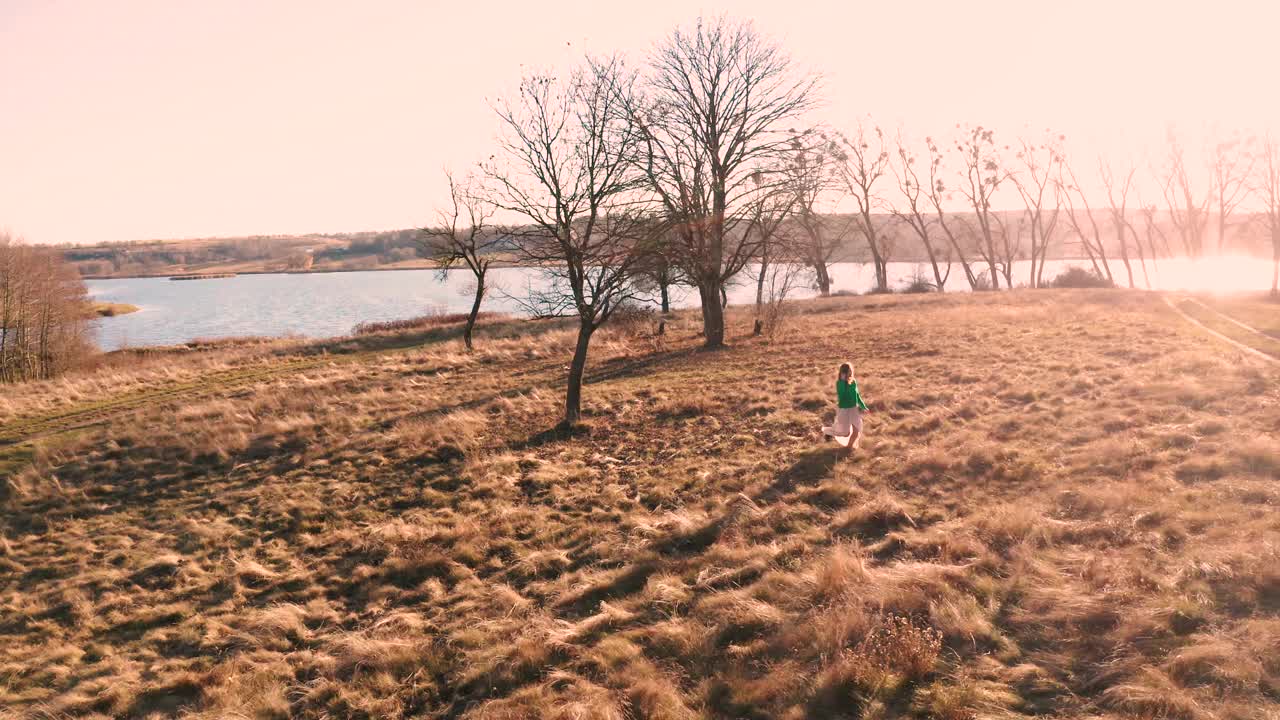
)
(395, 249)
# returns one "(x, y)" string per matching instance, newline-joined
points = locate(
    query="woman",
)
(849, 408)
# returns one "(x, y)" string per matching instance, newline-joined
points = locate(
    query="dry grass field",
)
(1065, 506)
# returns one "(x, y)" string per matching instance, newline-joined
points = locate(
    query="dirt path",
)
(1236, 343)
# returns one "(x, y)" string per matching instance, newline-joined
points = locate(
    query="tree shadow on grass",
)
(808, 468)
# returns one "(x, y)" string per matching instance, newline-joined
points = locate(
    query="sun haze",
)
(133, 120)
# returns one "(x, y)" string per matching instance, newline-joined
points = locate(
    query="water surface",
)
(327, 304)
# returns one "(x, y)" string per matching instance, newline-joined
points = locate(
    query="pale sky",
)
(128, 120)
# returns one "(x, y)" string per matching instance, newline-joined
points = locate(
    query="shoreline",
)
(213, 275)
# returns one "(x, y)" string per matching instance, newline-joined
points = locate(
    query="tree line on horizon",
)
(690, 168)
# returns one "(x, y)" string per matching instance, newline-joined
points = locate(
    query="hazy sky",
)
(126, 120)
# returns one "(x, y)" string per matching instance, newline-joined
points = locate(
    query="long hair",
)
(845, 368)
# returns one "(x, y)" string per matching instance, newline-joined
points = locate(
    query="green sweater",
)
(847, 395)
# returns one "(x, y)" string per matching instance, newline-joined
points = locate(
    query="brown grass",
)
(1064, 506)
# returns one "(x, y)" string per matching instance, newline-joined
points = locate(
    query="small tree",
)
(568, 152)
(767, 212)
(462, 236)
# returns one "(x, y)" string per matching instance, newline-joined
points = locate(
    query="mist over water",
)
(327, 304)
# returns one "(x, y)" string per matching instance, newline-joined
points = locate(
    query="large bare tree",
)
(463, 235)
(865, 162)
(565, 167)
(717, 102)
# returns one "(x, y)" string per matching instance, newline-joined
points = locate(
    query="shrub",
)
(896, 647)
(1078, 277)
(421, 322)
(918, 284)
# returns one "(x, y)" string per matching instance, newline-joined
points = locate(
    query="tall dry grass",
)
(1064, 506)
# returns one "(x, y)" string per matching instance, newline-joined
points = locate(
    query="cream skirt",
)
(847, 420)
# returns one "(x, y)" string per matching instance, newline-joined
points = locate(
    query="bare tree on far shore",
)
(1118, 188)
(1040, 197)
(1267, 188)
(981, 178)
(813, 178)
(565, 166)
(1188, 206)
(718, 97)
(913, 214)
(1090, 236)
(938, 193)
(1232, 169)
(462, 235)
(866, 160)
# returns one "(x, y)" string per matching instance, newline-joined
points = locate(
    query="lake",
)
(327, 304)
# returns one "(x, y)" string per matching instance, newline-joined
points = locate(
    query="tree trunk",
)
(1124, 257)
(933, 261)
(724, 297)
(995, 274)
(573, 393)
(664, 287)
(1275, 275)
(475, 312)
(712, 313)
(823, 278)
(764, 266)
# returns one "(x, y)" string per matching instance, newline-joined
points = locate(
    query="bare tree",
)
(1118, 190)
(1267, 188)
(43, 313)
(767, 213)
(1188, 207)
(719, 95)
(1090, 237)
(813, 177)
(938, 194)
(462, 235)
(865, 161)
(912, 213)
(1040, 197)
(1232, 168)
(566, 168)
(982, 177)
